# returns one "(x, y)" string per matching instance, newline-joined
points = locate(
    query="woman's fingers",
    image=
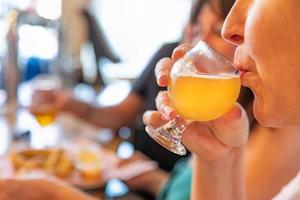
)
(42, 96)
(162, 71)
(164, 66)
(208, 140)
(62, 98)
(180, 51)
(232, 129)
(163, 105)
(199, 139)
(153, 119)
(213, 139)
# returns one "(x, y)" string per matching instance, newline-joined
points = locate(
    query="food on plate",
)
(80, 165)
(56, 161)
(89, 164)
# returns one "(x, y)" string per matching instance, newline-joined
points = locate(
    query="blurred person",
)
(204, 23)
(79, 27)
(36, 189)
(141, 98)
(267, 57)
(114, 117)
(128, 112)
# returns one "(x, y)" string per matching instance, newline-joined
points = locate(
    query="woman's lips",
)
(242, 69)
(242, 73)
(246, 77)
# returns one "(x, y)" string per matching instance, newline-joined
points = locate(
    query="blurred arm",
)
(39, 189)
(107, 117)
(151, 182)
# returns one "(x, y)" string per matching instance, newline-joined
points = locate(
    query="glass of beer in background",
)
(44, 109)
(203, 86)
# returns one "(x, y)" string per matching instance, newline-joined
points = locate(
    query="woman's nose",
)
(233, 27)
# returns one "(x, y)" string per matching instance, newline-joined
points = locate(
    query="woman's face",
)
(267, 33)
(208, 28)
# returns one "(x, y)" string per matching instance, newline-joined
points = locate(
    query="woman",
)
(267, 56)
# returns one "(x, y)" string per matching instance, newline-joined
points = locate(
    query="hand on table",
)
(142, 174)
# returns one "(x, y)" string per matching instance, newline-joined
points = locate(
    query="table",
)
(16, 124)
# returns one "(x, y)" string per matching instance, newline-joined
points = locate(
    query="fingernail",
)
(235, 113)
(169, 112)
(160, 75)
(181, 48)
(150, 130)
(146, 116)
(235, 118)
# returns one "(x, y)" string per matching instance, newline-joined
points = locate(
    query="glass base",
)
(172, 144)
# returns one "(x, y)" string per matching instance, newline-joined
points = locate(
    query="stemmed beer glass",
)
(203, 86)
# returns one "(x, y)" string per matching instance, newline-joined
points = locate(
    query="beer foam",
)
(208, 76)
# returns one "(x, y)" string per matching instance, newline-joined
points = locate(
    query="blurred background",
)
(96, 49)
(94, 42)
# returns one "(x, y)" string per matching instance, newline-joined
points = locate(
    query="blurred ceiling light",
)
(114, 93)
(19, 4)
(3, 32)
(49, 9)
(4, 137)
(37, 41)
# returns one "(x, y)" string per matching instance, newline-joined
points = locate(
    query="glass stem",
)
(174, 128)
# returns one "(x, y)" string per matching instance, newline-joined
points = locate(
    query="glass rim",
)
(217, 53)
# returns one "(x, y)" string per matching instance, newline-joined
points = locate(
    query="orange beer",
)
(45, 114)
(203, 97)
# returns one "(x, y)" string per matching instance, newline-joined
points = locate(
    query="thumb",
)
(232, 129)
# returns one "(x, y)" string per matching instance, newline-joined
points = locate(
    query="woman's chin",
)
(265, 116)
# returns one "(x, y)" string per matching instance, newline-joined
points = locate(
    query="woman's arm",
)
(219, 179)
(112, 117)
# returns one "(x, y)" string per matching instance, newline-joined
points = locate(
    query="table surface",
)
(17, 124)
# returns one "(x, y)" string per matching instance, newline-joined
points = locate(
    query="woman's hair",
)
(225, 6)
(196, 8)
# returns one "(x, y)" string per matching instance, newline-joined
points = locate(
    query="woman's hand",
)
(208, 140)
(218, 145)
